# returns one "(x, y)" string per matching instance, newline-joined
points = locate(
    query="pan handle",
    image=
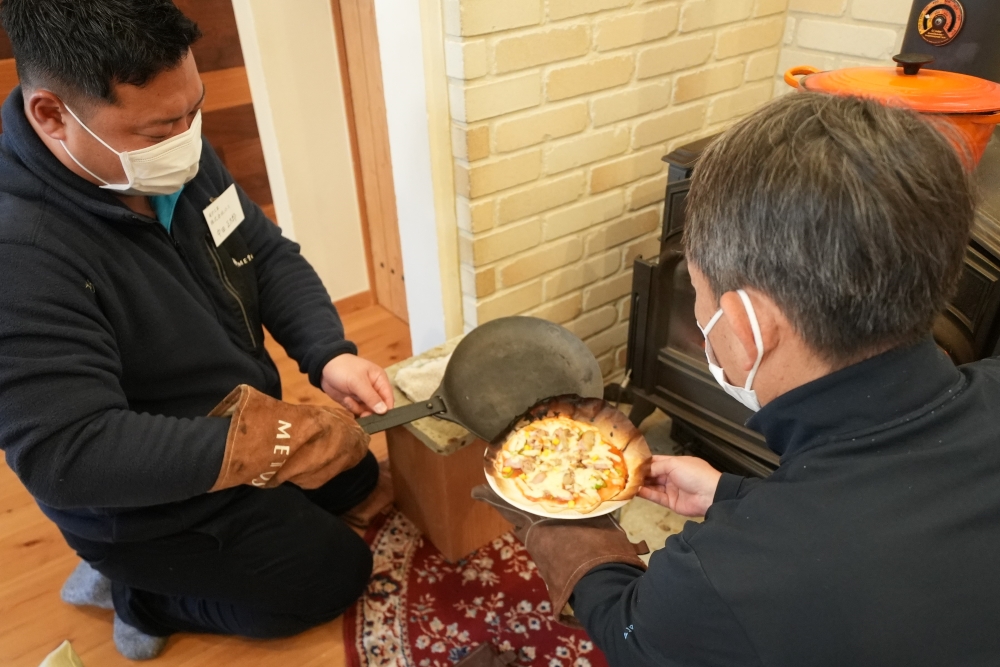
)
(403, 415)
(798, 71)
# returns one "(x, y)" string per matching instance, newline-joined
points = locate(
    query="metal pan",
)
(498, 372)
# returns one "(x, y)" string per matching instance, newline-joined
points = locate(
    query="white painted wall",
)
(402, 51)
(292, 62)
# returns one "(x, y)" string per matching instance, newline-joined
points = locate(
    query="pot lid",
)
(924, 90)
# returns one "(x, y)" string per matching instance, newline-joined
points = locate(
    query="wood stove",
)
(666, 357)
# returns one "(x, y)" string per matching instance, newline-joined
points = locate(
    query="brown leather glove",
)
(565, 550)
(271, 442)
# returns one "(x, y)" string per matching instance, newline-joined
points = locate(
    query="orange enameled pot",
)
(970, 104)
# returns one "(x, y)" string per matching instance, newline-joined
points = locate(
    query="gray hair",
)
(851, 215)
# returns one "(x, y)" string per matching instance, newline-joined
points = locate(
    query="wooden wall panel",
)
(229, 121)
(357, 35)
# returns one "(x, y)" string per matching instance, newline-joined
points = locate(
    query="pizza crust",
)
(614, 428)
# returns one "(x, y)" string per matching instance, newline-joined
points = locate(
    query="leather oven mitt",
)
(593, 542)
(271, 442)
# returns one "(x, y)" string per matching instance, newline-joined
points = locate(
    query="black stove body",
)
(666, 353)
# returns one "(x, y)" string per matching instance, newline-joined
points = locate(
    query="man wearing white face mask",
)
(137, 402)
(824, 235)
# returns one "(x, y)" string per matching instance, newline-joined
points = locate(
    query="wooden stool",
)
(435, 465)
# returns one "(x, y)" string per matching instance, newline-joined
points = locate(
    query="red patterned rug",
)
(422, 611)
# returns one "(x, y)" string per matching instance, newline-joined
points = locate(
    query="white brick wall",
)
(831, 34)
(562, 111)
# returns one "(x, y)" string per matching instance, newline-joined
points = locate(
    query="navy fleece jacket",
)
(117, 337)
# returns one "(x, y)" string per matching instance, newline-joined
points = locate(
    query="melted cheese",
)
(542, 455)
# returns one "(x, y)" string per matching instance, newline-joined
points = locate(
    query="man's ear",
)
(739, 322)
(47, 112)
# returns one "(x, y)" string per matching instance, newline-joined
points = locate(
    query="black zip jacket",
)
(876, 542)
(116, 338)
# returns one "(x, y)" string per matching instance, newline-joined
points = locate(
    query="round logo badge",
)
(941, 21)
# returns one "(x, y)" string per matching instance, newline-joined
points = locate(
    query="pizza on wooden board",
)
(569, 453)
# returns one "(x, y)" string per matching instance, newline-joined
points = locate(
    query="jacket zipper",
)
(232, 291)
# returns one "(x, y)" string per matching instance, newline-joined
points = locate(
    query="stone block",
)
(630, 102)
(563, 9)
(540, 197)
(827, 7)
(470, 143)
(675, 55)
(499, 174)
(470, 103)
(848, 39)
(762, 66)
(511, 302)
(593, 322)
(574, 277)
(560, 310)
(646, 248)
(586, 149)
(647, 192)
(625, 170)
(740, 102)
(506, 242)
(626, 229)
(658, 128)
(750, 37)
(466, 18)
(896, 12)
(538, 126)
(475, 217)
(708, 81)
(523, 50)
(768, 7)
(710, 13)
(608, 340)
(616, 32)
(541, 260)
(607, 290)
(465, 59)
(581, 216)
(572, 80)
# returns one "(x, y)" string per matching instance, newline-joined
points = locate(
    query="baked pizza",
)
(569, 453)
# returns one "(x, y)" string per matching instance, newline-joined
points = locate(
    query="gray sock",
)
(135, 644)
(87, 586)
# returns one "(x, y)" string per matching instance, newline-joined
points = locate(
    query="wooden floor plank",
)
(34, 559)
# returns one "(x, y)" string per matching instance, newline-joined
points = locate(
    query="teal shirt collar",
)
(164, 206)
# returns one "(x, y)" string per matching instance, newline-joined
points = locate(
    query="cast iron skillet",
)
(498, 372)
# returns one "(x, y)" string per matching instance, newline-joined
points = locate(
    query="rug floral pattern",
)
(421, 611)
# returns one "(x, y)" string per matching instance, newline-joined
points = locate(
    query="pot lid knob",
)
(912, 62)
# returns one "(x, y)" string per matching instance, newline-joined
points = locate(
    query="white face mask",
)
(744, 395)
(161, 169)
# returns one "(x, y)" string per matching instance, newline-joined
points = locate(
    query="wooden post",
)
(433, 491)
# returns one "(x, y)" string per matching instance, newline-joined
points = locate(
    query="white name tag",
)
(224, 215)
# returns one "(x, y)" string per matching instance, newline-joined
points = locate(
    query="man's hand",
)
(682, 483)
(359, 385)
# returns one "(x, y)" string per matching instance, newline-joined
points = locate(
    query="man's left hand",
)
(359, 385)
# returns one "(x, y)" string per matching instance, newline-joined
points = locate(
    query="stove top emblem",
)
(941, 21)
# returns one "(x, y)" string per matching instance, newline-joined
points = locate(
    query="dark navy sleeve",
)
(65, 424)
(294, 305)
(669, 616)
(732, 487)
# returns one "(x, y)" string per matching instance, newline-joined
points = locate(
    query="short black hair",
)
(851, 215)
(87, 47)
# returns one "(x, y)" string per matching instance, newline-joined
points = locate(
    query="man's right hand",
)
(684, 484)
(271, 442)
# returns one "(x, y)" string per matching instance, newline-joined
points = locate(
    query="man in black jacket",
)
(137, 281)
(824, 236)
